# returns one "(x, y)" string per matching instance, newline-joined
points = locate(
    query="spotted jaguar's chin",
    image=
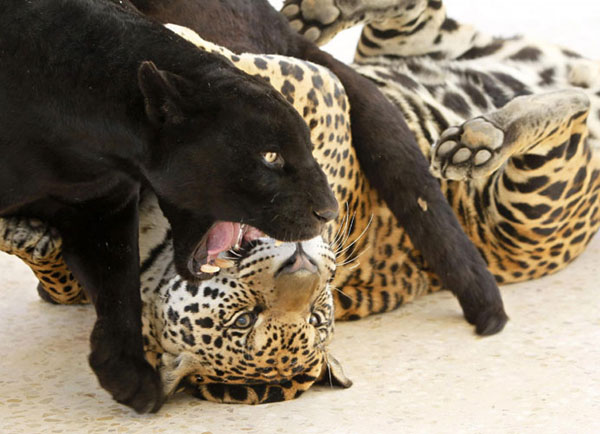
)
(208, 257)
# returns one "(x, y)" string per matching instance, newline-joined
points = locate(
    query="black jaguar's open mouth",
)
(221, 237)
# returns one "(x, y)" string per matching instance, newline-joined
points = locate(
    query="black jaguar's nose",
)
(327, 214)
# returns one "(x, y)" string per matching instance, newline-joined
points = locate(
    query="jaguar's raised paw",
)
(317, 20)
(473, 150)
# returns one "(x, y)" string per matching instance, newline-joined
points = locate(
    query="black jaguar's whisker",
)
(348, 231)
(229, 258)
(352, 259)
(340, 227)
(362, 234)
(335, 247)
(233, 252)
(334, 244)
(340, 241)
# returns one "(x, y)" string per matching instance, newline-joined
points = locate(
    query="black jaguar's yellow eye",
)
(270, 157)
(245, 320)
(316, 320)
(273, 159)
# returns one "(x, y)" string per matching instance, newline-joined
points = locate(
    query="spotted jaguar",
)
(511, 129)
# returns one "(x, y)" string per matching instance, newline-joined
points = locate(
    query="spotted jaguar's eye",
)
(273, 159)
(244, 320)
(316, 319)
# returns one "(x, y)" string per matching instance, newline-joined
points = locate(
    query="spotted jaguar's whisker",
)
(335, 288)
(329, 370)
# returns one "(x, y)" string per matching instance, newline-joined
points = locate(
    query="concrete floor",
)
(417, 370)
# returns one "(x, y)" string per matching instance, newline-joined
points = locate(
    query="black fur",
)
(386, 148)
(97, 101)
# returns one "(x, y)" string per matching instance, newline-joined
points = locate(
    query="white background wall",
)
(572, 23)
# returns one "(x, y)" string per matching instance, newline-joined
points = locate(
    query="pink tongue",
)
(251, 234)
(222, 237)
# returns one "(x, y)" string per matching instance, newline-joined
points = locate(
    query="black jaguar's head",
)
(231, 149)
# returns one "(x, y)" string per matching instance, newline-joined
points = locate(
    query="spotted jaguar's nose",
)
(298, 262)
(296, 283)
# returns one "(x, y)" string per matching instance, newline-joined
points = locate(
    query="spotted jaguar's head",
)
(265, 320)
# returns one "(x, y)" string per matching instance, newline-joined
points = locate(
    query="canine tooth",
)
(207, 268)
(223, 263)
(240, 238)
(278, 243)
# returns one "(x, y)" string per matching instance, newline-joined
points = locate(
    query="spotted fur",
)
(511, 127)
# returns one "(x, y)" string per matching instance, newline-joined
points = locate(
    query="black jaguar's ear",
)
(162, 98)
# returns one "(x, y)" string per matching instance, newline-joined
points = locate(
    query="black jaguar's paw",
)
(123, 371)
(473, 150)
(488, 321)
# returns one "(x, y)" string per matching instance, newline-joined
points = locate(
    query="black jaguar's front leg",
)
(395, 167)
(102, 252)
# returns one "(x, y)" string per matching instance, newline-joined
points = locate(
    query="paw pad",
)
(482, 157)
(316, 20)
(468, 151)
(462, 155)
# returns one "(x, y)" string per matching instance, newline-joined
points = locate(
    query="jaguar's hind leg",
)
(40, 247)
(398, 28)
(526, 125)
(321, 20)
(532, 205)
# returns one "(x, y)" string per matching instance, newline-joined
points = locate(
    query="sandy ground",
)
(419, 369)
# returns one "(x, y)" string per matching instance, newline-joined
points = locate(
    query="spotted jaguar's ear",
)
(162, 94)
(173, 370)
(333, 374)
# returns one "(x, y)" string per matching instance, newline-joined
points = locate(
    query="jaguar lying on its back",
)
(506, 124)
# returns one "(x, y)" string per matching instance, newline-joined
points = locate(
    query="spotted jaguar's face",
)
(265, 320)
